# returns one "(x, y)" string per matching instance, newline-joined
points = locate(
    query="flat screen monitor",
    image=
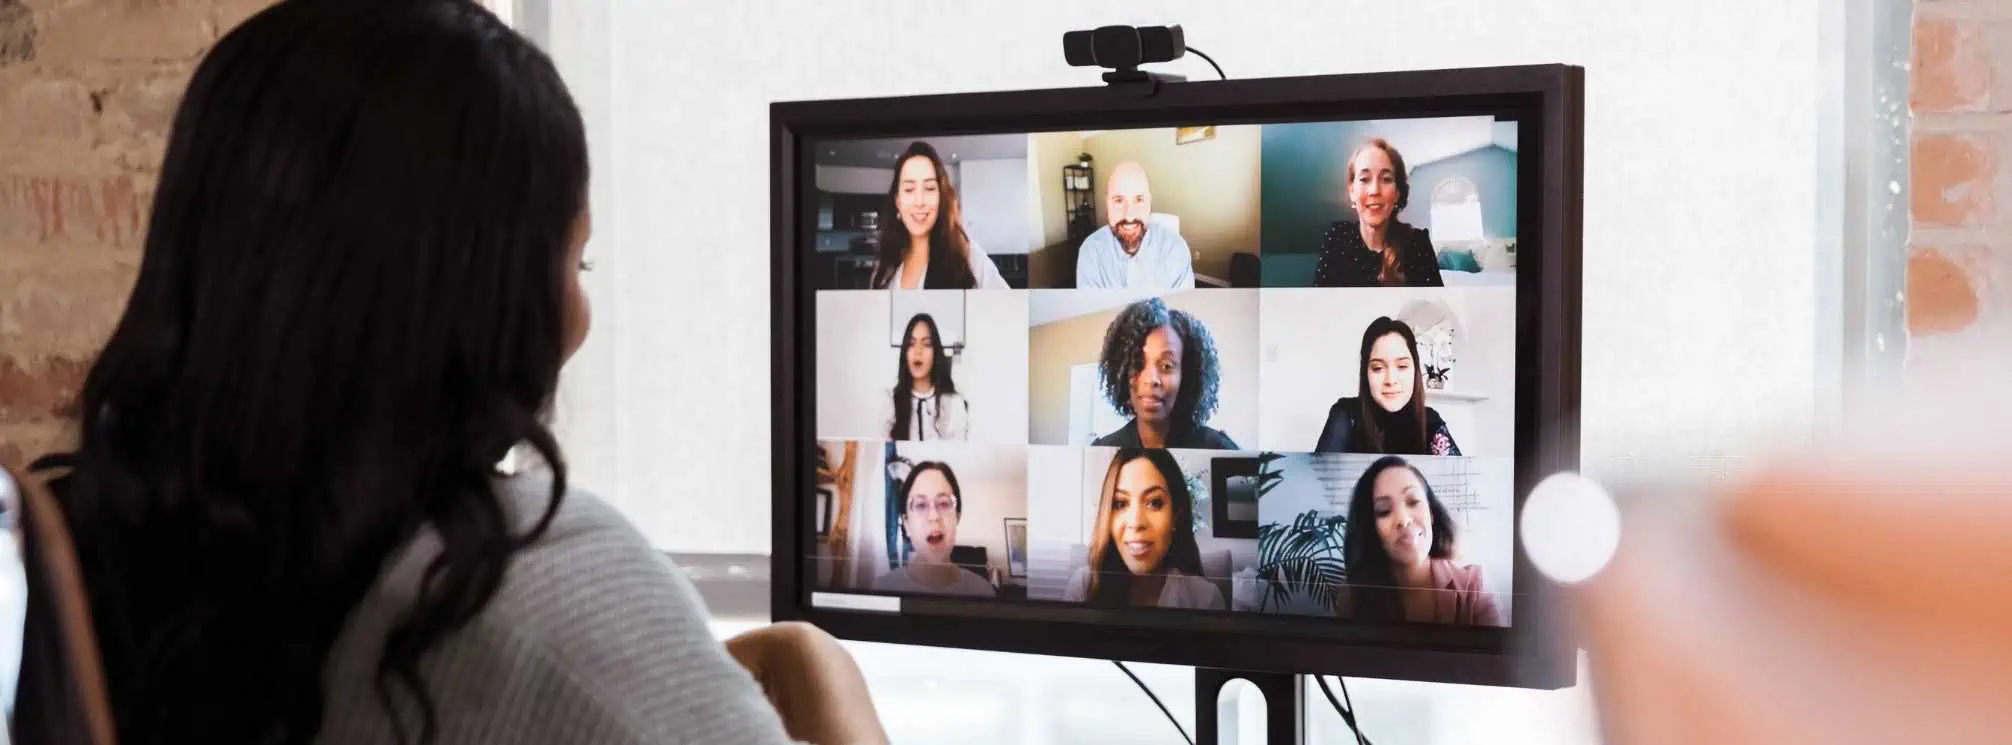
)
(1252, 375)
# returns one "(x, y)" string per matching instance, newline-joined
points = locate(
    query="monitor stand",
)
(1216, 718)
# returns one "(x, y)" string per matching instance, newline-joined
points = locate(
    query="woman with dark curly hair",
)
(1159, 367)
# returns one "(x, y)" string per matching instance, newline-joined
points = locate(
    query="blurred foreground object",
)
(1860, 593)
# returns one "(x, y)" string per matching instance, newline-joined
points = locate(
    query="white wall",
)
(853, 179)
(993, 195)
(1312, 346)
(1424, 141)
(857, 359)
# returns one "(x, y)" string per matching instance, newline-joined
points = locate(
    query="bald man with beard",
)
(1130, 252)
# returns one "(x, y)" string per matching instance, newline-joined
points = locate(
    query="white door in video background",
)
(1090, 415)
(993, 196)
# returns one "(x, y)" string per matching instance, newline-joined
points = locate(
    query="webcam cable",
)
(1156, 702)
(1210, 60)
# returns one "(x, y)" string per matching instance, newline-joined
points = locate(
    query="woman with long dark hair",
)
(359, 285)
(1142, 545)
(1376, 249)
(924, 403)
(925, 247)
(1388, 414)
(1398, 555)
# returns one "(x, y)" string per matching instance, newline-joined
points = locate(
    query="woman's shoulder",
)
(1339, 428)
(1126, 436)
(973, 584)
(1079, 585)
(1342, 412)
(1214, 439)
(893, 275)
(985, 273)
(1341, 232)
(579, 514)
(589, 614)
(1196, 592)
(1462, 577)
(583, 530)
(1411, 235)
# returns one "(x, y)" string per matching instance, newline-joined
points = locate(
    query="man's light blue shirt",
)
(1162, 263)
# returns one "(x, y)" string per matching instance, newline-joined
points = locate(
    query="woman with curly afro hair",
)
(1160, 368)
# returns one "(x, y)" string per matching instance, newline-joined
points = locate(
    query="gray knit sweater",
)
(594, 637)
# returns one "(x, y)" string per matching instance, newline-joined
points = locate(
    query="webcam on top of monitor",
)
(1123, 49)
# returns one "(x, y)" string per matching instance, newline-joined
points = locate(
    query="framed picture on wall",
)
(1016, 547)
(824, 502)
(1233, 497)
(1190, 135)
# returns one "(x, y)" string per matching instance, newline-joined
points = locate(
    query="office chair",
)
(60, 694)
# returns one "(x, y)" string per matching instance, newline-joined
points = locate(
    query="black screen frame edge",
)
(1538, 650)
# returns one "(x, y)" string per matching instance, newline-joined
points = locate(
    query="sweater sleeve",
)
(1334, 435)
(629, 630)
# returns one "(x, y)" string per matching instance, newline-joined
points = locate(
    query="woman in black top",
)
(1376, 250)
(1388, 413)
(1159, 367)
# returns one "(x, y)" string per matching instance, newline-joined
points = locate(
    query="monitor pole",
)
(1218, 720)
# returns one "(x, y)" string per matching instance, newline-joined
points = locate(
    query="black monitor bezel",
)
(1546, 100)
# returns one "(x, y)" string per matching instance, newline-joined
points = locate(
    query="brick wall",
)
(1960, 267)
(87, 90)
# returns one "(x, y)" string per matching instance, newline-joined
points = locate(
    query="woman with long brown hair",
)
(1142, 545)
(1388, 414)
(1399, 555)
(925, 247)
(1376, 249)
